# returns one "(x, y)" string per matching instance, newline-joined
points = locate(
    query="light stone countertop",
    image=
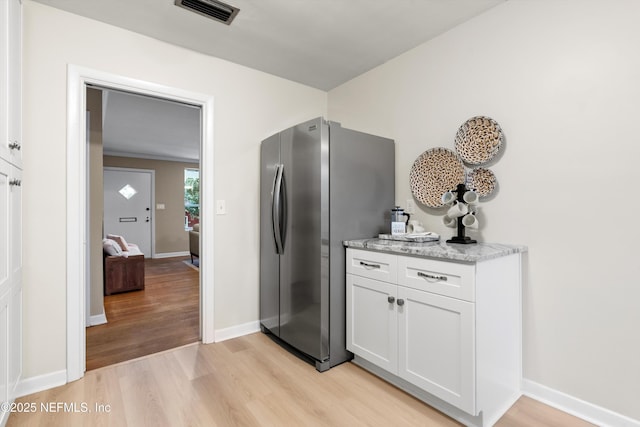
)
(453, 251)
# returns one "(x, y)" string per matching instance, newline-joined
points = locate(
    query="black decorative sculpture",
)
(460, 191)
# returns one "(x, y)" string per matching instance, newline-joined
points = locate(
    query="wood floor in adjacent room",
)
(162, 316)
(246, 381)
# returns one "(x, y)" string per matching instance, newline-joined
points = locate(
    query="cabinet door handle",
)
(391, 299)
(400, 302)
(366, 264)
(14, 146)
(15, 182)
(432, 276)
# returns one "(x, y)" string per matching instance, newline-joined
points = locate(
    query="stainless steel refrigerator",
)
(320, 184)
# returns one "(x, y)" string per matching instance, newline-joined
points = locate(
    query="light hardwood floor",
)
(246, 381)
(162, 316)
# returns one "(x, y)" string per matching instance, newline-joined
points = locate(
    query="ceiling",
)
(319, 43)
(141, 126)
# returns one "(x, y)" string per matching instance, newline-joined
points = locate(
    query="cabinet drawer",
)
(374, 265)
(443, 278)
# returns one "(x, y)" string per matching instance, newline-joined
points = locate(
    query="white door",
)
(127, 206)
(372, 324)
(5, 230)
(437, 346)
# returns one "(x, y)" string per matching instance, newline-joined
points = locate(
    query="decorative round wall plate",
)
(435, 172)
(482, 181)
(478, 140)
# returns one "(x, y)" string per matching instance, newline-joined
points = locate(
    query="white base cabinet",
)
(447, 332)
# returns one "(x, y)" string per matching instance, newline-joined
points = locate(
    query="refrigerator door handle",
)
(276, 213)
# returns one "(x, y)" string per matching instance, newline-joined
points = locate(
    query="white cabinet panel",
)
(10, 224)
(4, 78)
(372, 321)
(5, 215)
(14, 80)
(374, 265)
(437, 343)
(451, 279)
(15, 337)
(11, 81)
(15, 223)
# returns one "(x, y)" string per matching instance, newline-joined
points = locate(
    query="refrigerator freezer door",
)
(304, 289)
(269, 258)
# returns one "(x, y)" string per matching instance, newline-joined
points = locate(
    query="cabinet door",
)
(437, 346)
(372, 321)
(15, 223)
(5, 216)
(4, 97)
(15, 337)
(14, 80)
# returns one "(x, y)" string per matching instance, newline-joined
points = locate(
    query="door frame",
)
(152, 202)
(78, 78)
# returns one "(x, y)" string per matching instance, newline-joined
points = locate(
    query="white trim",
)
(572, 405)
(77, 80)
(207, 219)
(88, 277)
(76, 220)
(152, 202)
(171, 254)
(149, 156)
(98, 319)
(237, 331)
(41, 382)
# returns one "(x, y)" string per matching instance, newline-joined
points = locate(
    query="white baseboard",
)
(237, 331)
(42, 382)
(171, 254)
(98, 319)
(572, 405)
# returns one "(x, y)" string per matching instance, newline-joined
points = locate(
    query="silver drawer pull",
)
(432, 276)
(366, 264)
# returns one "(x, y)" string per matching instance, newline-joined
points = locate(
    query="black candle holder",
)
(461, 238)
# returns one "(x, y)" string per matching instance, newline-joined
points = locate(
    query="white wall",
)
(563, 80)
(561, 77)
(249, 106)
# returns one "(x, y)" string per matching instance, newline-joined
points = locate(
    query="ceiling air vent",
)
(213, 9)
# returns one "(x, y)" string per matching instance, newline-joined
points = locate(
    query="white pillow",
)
(111, 247)
(133, 249)
(119, 240)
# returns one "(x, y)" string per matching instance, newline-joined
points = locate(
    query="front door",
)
(127, 206)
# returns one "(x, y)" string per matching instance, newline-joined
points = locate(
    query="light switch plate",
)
(221, 207)
(160, 206)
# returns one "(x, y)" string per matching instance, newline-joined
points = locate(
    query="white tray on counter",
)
(411, 237)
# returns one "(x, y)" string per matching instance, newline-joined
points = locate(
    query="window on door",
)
(191, 198)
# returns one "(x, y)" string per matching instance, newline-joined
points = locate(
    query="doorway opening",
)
(78, 238)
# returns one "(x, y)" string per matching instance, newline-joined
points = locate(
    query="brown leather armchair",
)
(194, 242)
